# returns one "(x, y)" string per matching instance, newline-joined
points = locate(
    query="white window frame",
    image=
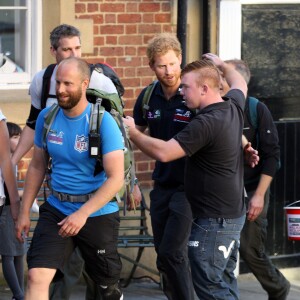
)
(230, 32)
(33, 59)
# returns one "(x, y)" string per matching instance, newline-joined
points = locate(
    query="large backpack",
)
(99, 67)
(110, 102)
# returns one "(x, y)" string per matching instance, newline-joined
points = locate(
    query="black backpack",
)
(99, 67)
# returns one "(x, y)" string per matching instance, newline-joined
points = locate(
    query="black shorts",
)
(97, 241)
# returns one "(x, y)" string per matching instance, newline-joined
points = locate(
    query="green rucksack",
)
(112, 103)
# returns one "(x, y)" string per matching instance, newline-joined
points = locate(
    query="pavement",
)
(144, 289)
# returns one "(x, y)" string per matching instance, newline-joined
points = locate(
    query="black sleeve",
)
(237, 97)
(34, 112)
(138, 112)
(268, 141)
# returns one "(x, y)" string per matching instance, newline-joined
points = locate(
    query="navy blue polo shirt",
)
(164, 118)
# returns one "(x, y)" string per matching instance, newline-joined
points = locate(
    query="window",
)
(19, 42)
(230, 25)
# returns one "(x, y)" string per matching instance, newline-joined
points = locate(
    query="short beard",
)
(74, 99)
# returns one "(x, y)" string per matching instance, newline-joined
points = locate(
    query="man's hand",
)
(214, 58)
(134, 199)
(255, 207)
(72, 224)
(129, 122)
(251, 155)
(22, 226)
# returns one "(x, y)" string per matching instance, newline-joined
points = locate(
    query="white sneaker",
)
(35, 207)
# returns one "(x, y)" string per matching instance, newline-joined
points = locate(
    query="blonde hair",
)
(206, 70)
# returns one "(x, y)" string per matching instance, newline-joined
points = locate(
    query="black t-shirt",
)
(214, 168)
(265, 139)
(164, 118)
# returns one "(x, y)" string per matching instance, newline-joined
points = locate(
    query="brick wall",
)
(121, 31)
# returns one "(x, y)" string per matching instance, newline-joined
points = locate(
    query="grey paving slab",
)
(249, 287)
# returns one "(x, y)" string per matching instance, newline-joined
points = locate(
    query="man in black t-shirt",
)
(213, 172)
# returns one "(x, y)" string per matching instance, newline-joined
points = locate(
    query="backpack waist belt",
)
(72, 198)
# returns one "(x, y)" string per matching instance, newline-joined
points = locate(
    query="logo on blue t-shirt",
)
(81, 143)
(55, 138)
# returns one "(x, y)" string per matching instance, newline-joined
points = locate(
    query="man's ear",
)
(151, 66)
(85, 83)
(204, 89)
(53, 52)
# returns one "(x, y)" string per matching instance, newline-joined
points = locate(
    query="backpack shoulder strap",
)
(46, 84)
(251, 110)
(97, 112)
(147, 95)
(48, 120)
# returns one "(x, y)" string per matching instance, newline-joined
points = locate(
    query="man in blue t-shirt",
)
(80, 203)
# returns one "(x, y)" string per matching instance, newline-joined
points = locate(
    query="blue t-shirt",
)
(72, 168)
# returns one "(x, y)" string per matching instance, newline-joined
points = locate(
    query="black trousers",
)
(253, 252)
(171, 219)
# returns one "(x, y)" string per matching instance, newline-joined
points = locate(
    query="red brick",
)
(119, 71)
(142, 50)
(123, 62)
(131, 82)
(147, 80)
(130, 40)
(108, 51)
(112, 29)
(93, 7)
(98, 19)
(163, 18)
(128, 94)
(111, 40)
(96, 29)
(168, 28)
(130, 51)
(131, 7)
(142, 166)
(166, 7)
(80, 8)
(149, 7)
(98, 40)
(149, 28)
(112, 61)
(148, 18)
(130, 72)
(129, 18)
(110, 18)
(144, 71)
(130, 29)
(111, 7)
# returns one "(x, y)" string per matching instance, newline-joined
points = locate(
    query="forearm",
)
(103, 195)
(10, 180)
(263, 185)
(160, 150)
(24, 145)
(34, 179)
(113, 164)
